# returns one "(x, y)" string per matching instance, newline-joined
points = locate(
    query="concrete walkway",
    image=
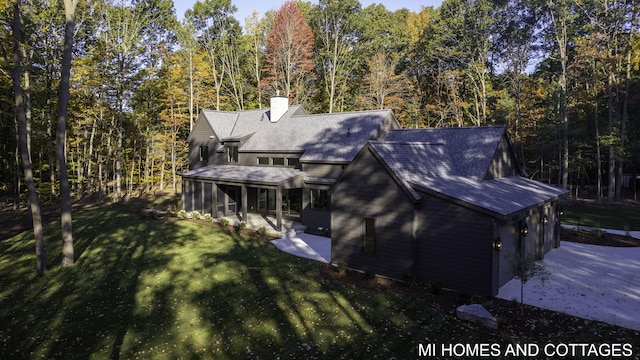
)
(293, 239)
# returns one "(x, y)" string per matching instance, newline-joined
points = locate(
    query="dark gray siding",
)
(366, 190)
(504, 162)
(510, 237)
(454, 246)
(200, 136)
(319, 170)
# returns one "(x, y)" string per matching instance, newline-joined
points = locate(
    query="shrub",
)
(262, 231)
(224, 222)
(195, 214)
(182, 214)
(242, 225)
(342, 267)
(207, 217)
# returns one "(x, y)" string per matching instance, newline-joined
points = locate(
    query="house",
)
(447, 205)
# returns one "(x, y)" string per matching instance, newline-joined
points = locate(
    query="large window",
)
(204, 153)
(293, 162)
(319, 199)
(369, 236)
(232, 153)
(263, 161)
(278, 161)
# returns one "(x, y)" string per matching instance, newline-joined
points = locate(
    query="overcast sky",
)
(245, 8)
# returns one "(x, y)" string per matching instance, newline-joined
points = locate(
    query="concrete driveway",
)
(589, 281)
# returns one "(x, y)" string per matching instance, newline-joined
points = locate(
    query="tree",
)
(559, 12)
(212, 22)
(121, 35)
(384, 89)
(337, 46)
(289, 65)
(257, 38)
(515, 45)
(61, 129)
(525, 268)
(25, 155)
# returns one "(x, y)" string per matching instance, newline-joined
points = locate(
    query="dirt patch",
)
(598, 237)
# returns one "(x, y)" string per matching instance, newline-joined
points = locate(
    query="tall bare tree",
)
(559, 14)
(61, 129)
(24, 140)
(337, 38)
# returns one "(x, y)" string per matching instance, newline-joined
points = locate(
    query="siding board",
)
(368, 191)
(454, 246)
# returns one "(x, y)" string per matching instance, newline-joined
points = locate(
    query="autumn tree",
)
(289, 60)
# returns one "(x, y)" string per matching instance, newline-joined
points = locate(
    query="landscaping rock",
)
(477, 314)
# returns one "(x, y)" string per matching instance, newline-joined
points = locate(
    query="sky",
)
(245, 7)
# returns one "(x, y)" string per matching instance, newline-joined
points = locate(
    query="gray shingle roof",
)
(325, 137)
(503, 196)
(245, 174)
(437, 165)
(471, 148)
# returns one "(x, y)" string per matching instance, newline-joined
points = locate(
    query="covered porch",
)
(232, 190)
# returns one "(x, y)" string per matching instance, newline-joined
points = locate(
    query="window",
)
(319, 199)
(263, 161)
(293, 162)
(278, 161)
(204, 153)
(232, 154)
(369, 236)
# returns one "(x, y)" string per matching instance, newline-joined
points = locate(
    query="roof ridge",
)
(346, 112)
(395, 142)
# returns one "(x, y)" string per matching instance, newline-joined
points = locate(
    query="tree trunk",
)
(34, 202)
(623, 128)
(68, 257)
(612, 159)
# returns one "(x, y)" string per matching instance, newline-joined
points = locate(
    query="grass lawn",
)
(603, 216)
(166, 289)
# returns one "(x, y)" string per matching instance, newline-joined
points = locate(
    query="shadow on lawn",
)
(177, 289)
(163, 288)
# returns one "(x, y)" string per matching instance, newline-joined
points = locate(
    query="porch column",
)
(244, 204)
(226, 204)
(192, 190)
(182, 198)
(214, 199)
(278, 209)
(202, 186)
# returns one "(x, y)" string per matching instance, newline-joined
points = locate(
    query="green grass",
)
(601, 215)
(175, 289)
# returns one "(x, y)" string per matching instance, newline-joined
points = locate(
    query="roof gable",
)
(453, 164)
(471, 149)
